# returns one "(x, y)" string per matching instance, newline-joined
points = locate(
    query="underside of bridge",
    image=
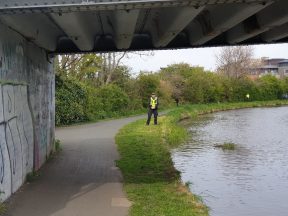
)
(73, 26)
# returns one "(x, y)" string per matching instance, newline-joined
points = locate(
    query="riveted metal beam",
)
(276, 34)
(55, 6)
(124, 23)
(78, 28)
(73, 26)
(218, 19)
(267, 19)
(40, 31)
(167, 23)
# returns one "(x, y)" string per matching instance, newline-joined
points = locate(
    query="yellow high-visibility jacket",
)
(153, 103)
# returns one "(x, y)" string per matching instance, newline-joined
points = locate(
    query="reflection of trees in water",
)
(229, 126)
(196, 129)
(236, 166)
(247, 128)
(255, 132)
(230, 180)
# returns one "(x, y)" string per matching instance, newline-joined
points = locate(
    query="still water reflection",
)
(249, 181)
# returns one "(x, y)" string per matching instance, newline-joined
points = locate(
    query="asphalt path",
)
(82, 180)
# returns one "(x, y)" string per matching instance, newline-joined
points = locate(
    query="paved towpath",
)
(82, 180)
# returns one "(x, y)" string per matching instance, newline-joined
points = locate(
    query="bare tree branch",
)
(234, 61)
(113, 65)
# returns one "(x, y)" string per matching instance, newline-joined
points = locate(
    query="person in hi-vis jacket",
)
(152, 108)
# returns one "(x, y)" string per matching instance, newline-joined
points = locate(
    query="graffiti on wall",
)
(16, 138)
(23, 146)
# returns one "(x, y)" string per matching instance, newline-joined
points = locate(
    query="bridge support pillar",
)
(26, 109)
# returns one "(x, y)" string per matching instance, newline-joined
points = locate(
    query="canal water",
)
(251, 180)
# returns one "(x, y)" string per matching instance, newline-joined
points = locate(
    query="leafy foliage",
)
(113, 100)
(70, 101)
(88, 91)
(270, 88)
(147, 84)
(76, 102)
(151, 180)
(195, 85)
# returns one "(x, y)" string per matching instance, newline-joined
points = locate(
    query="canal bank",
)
(151, 180)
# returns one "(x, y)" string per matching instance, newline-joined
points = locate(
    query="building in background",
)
(276, 67)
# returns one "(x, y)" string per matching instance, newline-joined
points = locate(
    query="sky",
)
(204, 57)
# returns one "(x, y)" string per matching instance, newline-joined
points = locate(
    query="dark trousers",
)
(155, 113)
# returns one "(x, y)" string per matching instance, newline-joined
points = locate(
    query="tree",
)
(147, 83)
(270, 87)
(110, 63)
(95, 69)
(84, 68)
(121, 76)
(234, 61)
(177, 75)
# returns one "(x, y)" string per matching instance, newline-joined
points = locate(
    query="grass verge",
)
(151, 181)
(2, 208)
(58, 147)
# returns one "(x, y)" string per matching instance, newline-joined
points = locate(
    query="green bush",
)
(113, 100)
(206, 87)
(77, 102)
(284, 86)
(270, 88)
(70, 102)
(202, 87)
(147, 84)
(94, 107)
(240, 88)
(81, 101)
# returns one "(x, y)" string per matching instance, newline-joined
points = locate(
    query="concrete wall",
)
(26, 109)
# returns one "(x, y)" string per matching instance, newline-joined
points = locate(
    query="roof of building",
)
(270, 66)
(282, 62)
(267, 67)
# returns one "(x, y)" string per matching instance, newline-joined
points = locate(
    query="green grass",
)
(57, 149)
(32, 176)
(151, 181)
(3, 208)
(58, 146)
(227, 146)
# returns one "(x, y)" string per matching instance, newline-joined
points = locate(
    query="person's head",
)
(153, 95)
